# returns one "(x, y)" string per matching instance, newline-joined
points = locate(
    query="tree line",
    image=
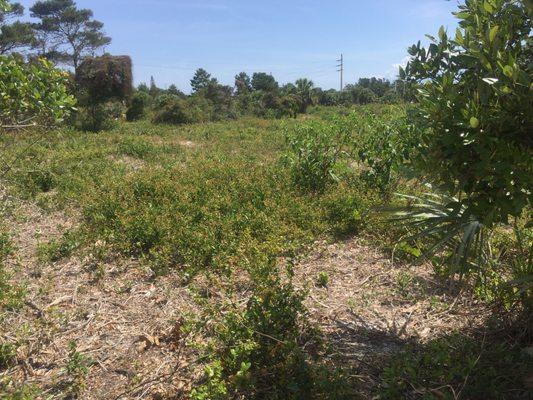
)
(67, 35)
(259, 95)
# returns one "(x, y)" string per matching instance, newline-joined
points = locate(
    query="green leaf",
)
(462, 15)
(508, 71)
(493, 32)
(442, 33)
(488, 7)
(474, 122)
(459, 36)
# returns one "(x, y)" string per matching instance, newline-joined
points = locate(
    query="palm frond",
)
(444, 222)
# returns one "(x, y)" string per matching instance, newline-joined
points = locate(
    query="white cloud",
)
(392, 73)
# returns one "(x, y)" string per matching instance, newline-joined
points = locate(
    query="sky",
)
(170, 39)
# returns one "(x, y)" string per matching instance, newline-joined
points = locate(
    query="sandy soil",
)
(126, 321)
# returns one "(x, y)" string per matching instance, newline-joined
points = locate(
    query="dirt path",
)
(123, 320)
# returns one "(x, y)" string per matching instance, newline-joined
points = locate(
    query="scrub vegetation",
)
(267, 241)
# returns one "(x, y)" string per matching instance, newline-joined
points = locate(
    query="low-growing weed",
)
(315, 148)
(258, 350)
(10, 390)
(77, 369)
(11, 294)
(56, 250)
(229, 220)
(137, 147)
(8, 353)
(322, 280)
(458, 367)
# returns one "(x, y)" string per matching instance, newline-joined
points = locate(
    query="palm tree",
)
(304, 89)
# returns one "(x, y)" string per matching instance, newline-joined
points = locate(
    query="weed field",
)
(196, 262)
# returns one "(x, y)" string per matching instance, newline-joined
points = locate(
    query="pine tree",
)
(65, 33)
(15, 35)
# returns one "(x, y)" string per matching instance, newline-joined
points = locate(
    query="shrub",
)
(345, 209)
(32, 93)
(474, 118)
(391, 97)
(289, 106)
(383, 146)
(170, 109)
(314, 148)
(475, 108)
(202, 109)
(355, 94)
(458, 367)
(137, 108)
(364, 96)
(258, 349)
(96, 118)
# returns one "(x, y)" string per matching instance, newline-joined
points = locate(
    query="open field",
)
(128, 252)
(169, 231)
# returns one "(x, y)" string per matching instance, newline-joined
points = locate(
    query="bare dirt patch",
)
(371, 308)
(187, 143)
(173, 141)
(129, 162)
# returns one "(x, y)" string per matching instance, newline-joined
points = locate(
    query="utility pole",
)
(341, 70)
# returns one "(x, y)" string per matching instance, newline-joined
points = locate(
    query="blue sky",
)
(169, 39)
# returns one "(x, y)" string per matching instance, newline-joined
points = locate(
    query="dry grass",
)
(116, 313)
(127, 321)
(371, 307)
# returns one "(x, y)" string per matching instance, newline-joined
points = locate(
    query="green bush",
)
(170, 109)
(475, 107)
(164, 99)
(346, 210)
(314, 148)
(138, 106)
(384, 146)
(258, 350)
(454, 365)
(32, 93)
(474, 118)
(96, 117)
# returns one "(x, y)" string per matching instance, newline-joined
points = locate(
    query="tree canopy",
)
(264, 81)
(106, 78)
(14, 35)
(67, 34)
(201, 80)
(243, 83)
